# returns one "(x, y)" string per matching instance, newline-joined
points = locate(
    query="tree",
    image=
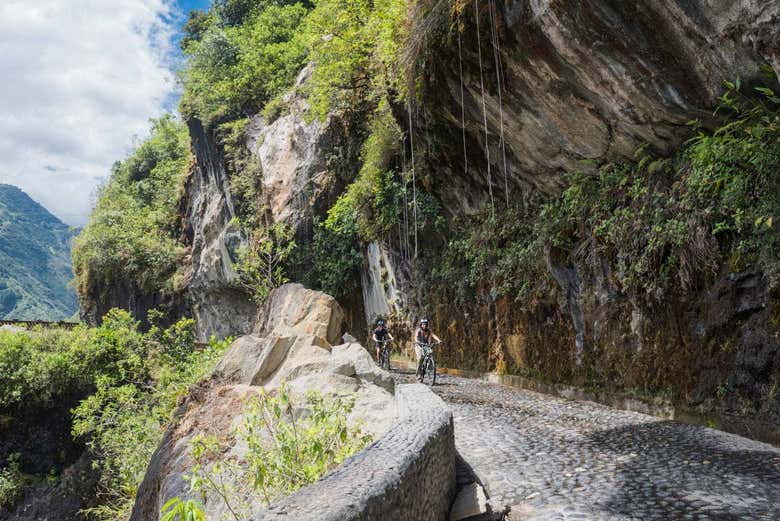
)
(262, 264)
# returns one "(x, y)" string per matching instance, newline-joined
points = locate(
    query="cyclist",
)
(381, 334)
(423, 335)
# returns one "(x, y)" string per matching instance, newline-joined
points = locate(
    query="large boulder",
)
(293, 343)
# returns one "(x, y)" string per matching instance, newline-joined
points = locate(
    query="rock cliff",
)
(218, 306)
(303, 166)
(573, 83)
(515, 94)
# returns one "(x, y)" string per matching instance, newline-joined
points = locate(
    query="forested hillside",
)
(35, 260)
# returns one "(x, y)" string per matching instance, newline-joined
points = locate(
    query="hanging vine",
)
(484, 108)
(499, 79)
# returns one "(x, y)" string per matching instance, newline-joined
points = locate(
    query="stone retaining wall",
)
(407, 474)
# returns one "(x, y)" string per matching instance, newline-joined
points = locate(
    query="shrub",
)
(491, 254)
(242, 55)
(178, 510)
(41, 366)
(132, 234)
(132, 382)
(262, 263)
(13, 482)
(285, 449)
(123, 421)
(252, 53)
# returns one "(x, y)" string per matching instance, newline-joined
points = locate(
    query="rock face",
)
(717, 351)
(580, 81)
(57, 501)
(295, 153)
(573, 84)
(306, 163)
(383, 295)
(300, 181)
(217, 305)
(295, 341)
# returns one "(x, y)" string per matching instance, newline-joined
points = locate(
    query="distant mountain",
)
(35, 262)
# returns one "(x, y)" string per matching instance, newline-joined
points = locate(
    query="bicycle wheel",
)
(385, 360)
(429, 372)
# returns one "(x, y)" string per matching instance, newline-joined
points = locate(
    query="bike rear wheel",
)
(429, 372)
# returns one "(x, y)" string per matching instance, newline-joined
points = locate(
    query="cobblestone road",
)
(552, 459)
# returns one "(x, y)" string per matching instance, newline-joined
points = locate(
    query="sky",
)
(80, 81)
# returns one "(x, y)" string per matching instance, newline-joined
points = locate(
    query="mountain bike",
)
(426, 370)
(384, 355)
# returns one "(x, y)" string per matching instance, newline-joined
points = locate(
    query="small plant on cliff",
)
(284, 449)
(375, 199)
(262, 264)
(178, 510)
(13, 482)
(489, 255)
(287, 452)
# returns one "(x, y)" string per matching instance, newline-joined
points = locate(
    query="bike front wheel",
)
(429, 372)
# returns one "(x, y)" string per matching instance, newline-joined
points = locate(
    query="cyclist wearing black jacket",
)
(381, 334)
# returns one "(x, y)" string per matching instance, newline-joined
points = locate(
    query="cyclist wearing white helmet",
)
(423, 335)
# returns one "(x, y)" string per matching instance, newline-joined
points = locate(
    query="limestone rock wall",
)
(217, 305)
(580, 80)
(306, 163)
(303, 166)
(382, 284)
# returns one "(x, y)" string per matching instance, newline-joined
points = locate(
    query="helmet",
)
(380, 322)
(423, 321)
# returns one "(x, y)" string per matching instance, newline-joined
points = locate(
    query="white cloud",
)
(78, 80)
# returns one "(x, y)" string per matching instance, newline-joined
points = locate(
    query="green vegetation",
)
(35, 265)
(137, 407)
(42, 366)
(242, 55)
(369, 207)
(178, 510)
(13, 482)
(494, 253)
(666, 224)
(133, 232)
(374, 201)
(261, 265)
(131, 382)
(284, 450)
